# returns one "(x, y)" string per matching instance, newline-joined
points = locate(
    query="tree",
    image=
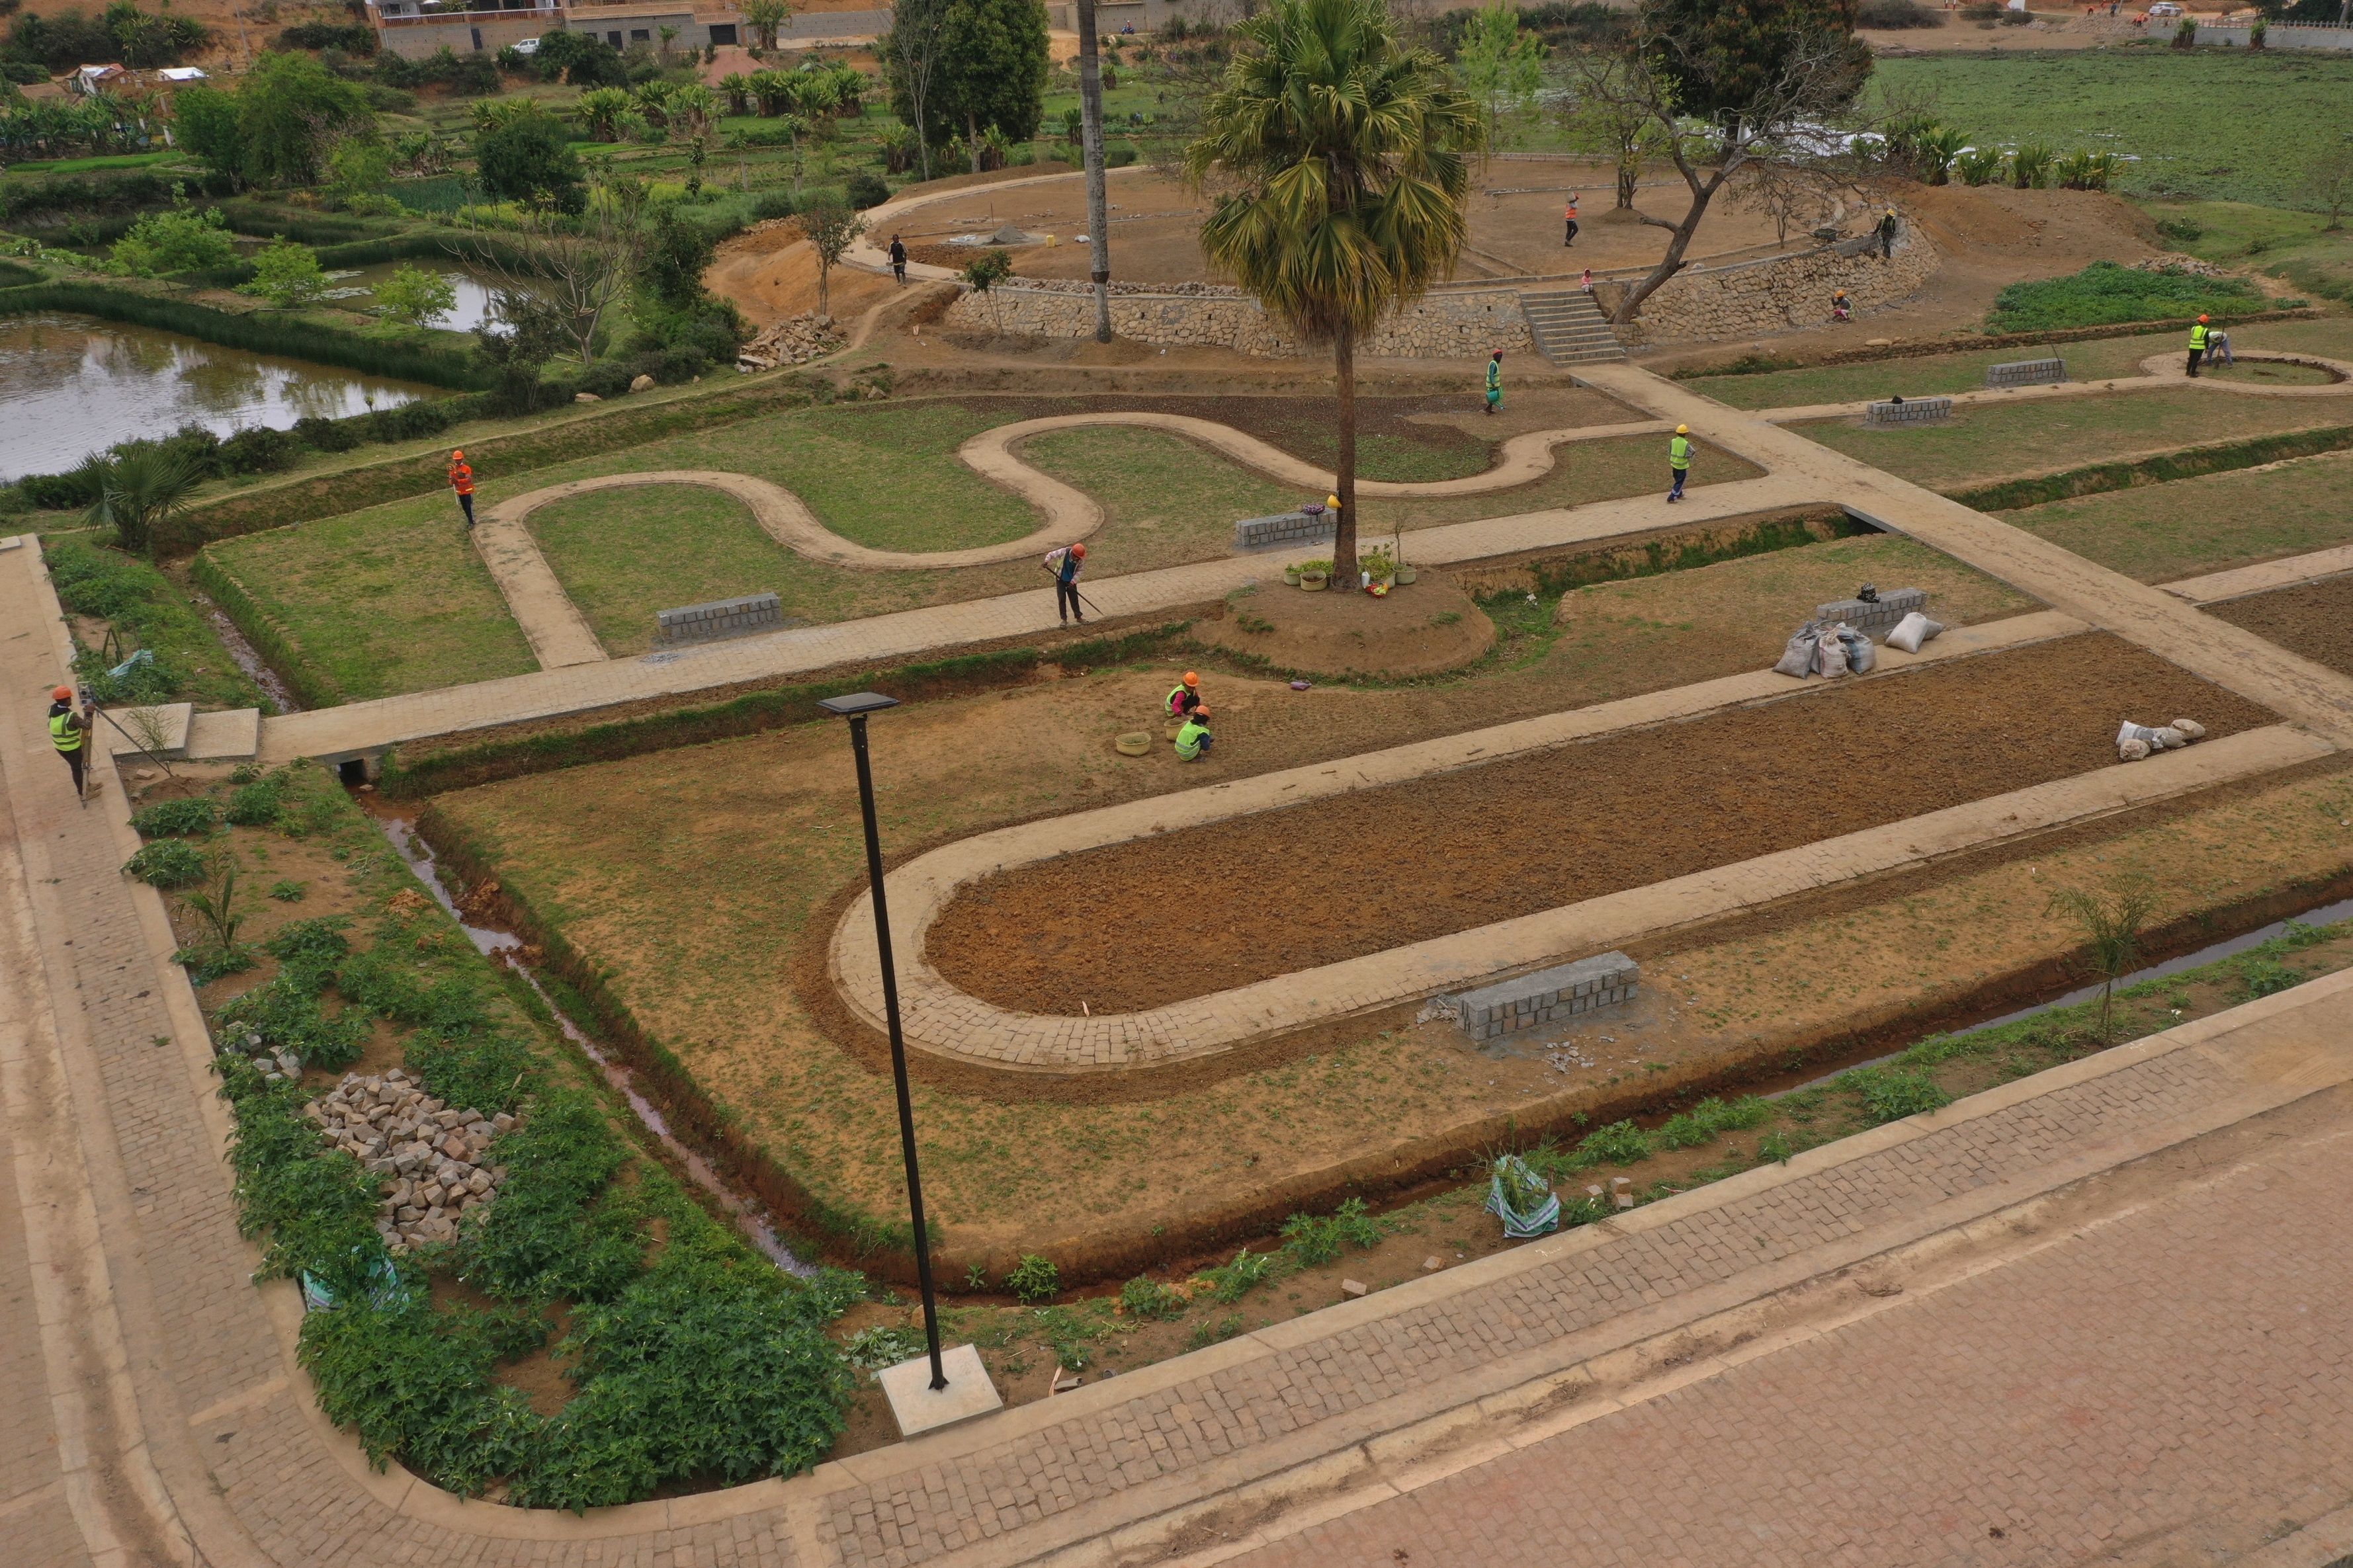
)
(2330, 177)
(580, 59)
(286, 274)
(173, 241)
(572, 269)
(601, 110)
(1090, 155)
(1722, 86)
(291, 109)
(525, 158)
(990, 69)
(413, 297)
(361, 166)
(208, 121)
(829, 224)
(1619, 130)
(1353, 155)
(763, 18)
(984, 272)
(1501, 63)
(910, 52)
(2113, 927)
(139, 487)
(521, 334)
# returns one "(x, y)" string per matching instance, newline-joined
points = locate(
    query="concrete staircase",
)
(1569, 327)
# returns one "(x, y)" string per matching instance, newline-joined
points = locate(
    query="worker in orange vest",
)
(1568, 217)
(461, 479)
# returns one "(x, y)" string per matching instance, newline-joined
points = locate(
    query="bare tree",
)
(1091, 145)
(581, 266)
(2330, 177)
(1618, 129)
(1812, 81)
(1785, 193)
(914, 40)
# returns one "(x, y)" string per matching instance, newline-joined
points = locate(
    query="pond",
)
(70, 385)
(474, 287)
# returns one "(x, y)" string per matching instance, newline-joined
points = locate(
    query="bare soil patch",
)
(1428, 626)
(1140, 925)
(2314, 619)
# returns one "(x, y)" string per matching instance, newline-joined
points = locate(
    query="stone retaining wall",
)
(1773, 295)
(1454, 325)
(1283, 529)
(1910, 411)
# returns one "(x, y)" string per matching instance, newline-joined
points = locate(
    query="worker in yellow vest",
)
(2197, 335)
(69, 732)
(1679, 454)
(1193, 741)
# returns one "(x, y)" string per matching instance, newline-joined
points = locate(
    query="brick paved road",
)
(2166, 1386)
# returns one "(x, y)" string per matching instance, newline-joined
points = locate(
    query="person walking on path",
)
(898, 259)
(1193, 741)
(1679, 454)
(1887, 235)
(1184, 697)
(461, 479)
(1064, 563)
(69, 732)
(2198, 336)
(1569, 217)
(1495, 382)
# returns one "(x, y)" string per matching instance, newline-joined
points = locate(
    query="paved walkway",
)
(2155, 373)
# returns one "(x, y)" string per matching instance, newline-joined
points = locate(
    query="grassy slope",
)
(2296, 247)
(624, 554)
(2214, 123)
(1986, 442)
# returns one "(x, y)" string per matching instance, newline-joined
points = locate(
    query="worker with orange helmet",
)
(69, 732)
(461, 479)
(1184, 696)
(1063, 564)
(2198, 336)
(1193, 741)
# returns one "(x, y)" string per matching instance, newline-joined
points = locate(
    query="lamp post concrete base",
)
(919, 1409)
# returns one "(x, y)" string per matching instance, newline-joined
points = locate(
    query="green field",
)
(2216, 124)
(624, 554)
(2297, 247)
(2162, 532)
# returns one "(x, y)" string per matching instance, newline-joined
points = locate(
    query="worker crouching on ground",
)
(1193, 741)
(1679, 456)
(1065, 565)
(69, 732)
(1184, 697)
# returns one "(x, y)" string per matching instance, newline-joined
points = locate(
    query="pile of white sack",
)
(2135, 741)
(1837, 648)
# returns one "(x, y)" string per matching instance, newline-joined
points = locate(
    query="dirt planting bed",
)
(2314, 619)
(1141, 925)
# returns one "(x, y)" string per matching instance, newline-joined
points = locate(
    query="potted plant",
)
(1378, 565)
(1313, 574)
(1406, 573)
(1291, 575)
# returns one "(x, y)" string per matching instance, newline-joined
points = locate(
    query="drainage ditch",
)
(505, 947)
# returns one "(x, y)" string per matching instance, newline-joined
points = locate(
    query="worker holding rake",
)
(1063, 564)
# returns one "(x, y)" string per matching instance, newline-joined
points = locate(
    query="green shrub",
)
(415, 1384)
(1034, 1280)
(2103, 294)
(1232, 1281)
(550, 1233)
(257, 805)
(315, 943)
(2261, 974)
(872, 1348)
(1148, 1299)
(1891, 1094)
(167, 863)
(286, 1013)
(172, 818)
(1700, 1125)
(1312, 1241)
(1620, 1143)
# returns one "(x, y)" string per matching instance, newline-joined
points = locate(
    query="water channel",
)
(70, 385)
(505, 947)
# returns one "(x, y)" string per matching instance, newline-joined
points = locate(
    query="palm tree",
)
(139, 490)
(1353, 157)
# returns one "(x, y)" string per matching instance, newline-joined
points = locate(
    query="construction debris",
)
(794, 340)
(2135, 741)
(432, 1157)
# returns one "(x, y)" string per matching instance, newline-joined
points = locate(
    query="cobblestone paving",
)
(2177, 1380)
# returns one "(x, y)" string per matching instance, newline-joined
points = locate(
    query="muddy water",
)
(507, 948)
(70, 385)
(473, 289)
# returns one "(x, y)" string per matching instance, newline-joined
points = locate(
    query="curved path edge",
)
(2154, 373)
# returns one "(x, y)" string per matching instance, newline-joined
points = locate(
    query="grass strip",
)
(2187, 464)
(262, 631)
(1753, 363)
(259, 332)
(463, 767)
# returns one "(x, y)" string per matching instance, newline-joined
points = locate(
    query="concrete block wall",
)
(1549, 996)
(1778, 292)
(2027, 372)
(1288, 528)
(1911, 411)
(720, 618)
(1875, 619)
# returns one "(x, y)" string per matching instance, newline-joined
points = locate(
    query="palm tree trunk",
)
(1344, 537)
(972, 138)
(1091, 154)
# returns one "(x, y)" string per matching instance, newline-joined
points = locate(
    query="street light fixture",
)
(855, 707)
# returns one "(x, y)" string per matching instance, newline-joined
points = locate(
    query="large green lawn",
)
(624, 554)
(1992, 441)
(2218, 124)
(2161, 532)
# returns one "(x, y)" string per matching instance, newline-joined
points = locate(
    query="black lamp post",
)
(855, 707)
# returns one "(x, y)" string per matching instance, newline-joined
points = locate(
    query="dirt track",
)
(1141, 925)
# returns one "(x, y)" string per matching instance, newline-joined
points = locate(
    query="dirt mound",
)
(771, 274)
(1421, 629)
(1183, 914)
(2091, 224)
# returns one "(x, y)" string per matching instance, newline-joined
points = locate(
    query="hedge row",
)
(2187, 464)
(427, 245)
(105, 193)
(260, 333)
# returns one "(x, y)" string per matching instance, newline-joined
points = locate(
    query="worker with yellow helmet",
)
(1679, 456)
